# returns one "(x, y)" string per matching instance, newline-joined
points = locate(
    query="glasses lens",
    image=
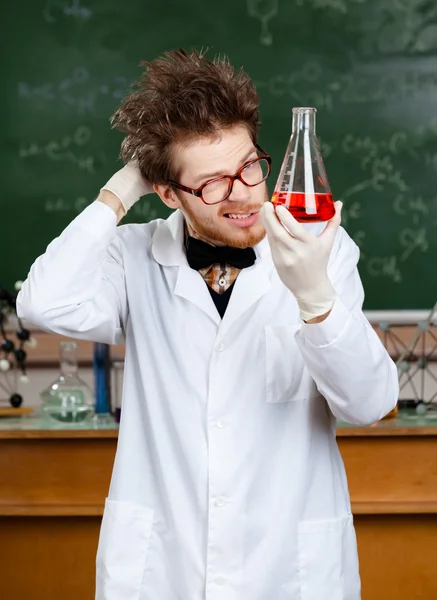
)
(255, 172)
(216, 191)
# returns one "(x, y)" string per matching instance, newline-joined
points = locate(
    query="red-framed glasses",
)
(219, 189)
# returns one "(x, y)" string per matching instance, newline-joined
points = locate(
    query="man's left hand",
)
(301, 258)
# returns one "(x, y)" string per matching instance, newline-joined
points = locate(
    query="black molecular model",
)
(12, 348)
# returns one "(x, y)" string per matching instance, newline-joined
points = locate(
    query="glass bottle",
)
(302, 186)
(102, 383)
(68, 399)
(118, 372)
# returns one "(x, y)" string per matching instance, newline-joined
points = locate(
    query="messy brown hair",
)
(182, 96)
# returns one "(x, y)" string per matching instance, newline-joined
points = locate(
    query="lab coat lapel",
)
(252, 283)
(168, 250)
(190, 285)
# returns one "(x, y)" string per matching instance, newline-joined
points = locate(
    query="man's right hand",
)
(128, 186)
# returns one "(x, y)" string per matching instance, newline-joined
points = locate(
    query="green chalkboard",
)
(368, 66)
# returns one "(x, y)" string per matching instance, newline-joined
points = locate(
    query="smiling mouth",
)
(238, 215)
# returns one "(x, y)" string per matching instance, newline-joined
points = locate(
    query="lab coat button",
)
(221, 424)
(220, 347)
(221, 501)
(220, 580)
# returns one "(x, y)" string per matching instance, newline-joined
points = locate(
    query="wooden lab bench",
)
(53, 483)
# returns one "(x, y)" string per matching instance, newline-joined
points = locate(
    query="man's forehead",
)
(226, 148)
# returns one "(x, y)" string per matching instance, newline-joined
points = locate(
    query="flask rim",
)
(304, 109)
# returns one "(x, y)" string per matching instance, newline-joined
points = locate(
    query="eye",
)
(214, 185)
(250, 166)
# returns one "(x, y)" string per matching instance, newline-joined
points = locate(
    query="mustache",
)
(250, 208)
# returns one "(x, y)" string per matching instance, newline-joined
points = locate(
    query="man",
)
(241, 352)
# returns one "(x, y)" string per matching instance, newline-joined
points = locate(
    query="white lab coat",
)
(228, 483)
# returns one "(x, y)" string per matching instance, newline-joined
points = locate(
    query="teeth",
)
(239, 216)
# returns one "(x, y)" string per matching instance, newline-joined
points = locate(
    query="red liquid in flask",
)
(295, 203)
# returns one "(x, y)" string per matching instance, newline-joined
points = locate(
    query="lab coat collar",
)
(168, 242)
(252, 283)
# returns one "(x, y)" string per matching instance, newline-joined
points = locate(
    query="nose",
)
(240, 192)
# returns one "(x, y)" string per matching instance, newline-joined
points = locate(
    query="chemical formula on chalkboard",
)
(374, 86)
(55, 10)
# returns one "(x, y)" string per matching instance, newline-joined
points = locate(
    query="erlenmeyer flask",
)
(68, 398)
(302, 185)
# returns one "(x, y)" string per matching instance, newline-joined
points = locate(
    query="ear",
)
(167, 195)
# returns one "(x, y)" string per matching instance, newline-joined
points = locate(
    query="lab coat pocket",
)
(328, 560)
(122, 551)
(287, 378)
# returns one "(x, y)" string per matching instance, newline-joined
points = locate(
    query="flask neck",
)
(68, 359)
(304, 120)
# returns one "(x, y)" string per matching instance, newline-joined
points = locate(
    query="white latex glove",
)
(301, 258)
(128, 185)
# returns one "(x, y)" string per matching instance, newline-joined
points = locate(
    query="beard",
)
(218, 231)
